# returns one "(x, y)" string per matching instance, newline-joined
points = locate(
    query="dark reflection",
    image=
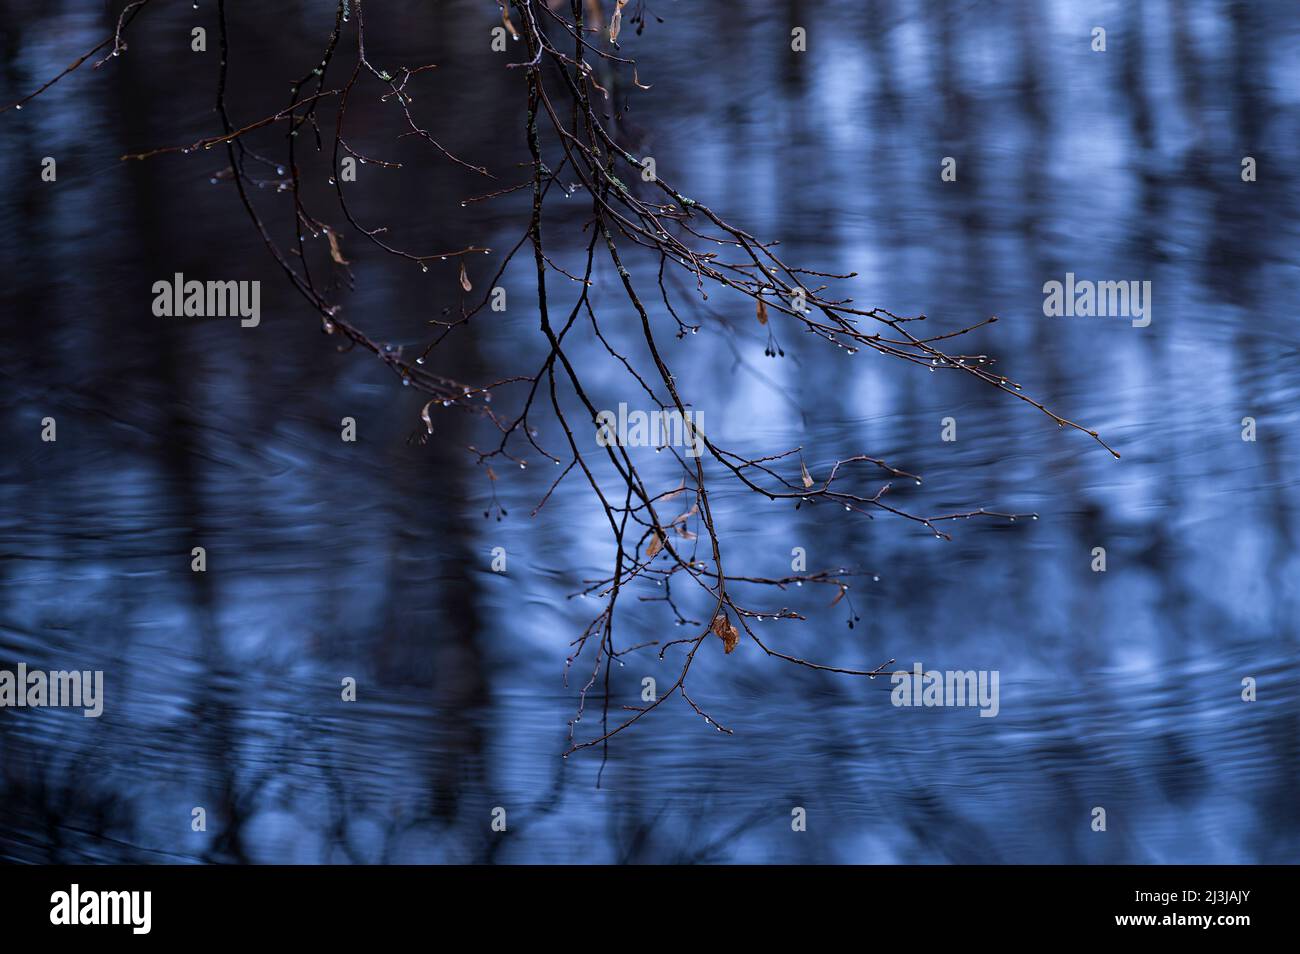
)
(329, 560)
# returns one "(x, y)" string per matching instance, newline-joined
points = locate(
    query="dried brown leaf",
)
(335, 252)
(505, 19)
(681, 517)
(807, 477)
(616, 22)
(840, 595)
(656, 544)
(762, 312)
(492, 474)
(723, 629)
(464, 277)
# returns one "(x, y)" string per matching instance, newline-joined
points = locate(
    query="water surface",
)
(373, 560)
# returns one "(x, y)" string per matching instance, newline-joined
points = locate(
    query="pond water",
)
(373, 560)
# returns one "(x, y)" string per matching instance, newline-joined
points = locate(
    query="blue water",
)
(1120, 690)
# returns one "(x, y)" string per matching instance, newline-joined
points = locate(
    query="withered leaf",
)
(656, 544)
(492, 474)
(840, 595)
(723, 629)
(684, 533)
(807, 477)
(335, 252)
(682, 517)
(424, 416)
(762, 312)
(505, 19)
(464, 277)
(616, 21)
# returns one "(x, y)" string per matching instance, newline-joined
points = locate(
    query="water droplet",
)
(419, 360)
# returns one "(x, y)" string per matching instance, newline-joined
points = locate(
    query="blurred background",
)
(373, 560)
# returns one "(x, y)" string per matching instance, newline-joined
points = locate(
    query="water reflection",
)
(372, 560)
